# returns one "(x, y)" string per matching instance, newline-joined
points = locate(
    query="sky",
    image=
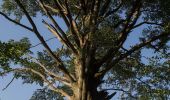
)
(8, 30)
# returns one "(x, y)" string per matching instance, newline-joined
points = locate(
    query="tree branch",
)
(62, 11)
(60, 38)
(144, 83)
(41, 43)
(8, 84)
(73, 25)
(145, 22)
(130, 21)
(11, 20)
(62, 79)
(56, 33)
(51, 8)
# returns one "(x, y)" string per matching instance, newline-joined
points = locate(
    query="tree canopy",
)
(94, 62)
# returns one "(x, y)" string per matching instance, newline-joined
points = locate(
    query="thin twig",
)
(8, 84)
(41, 43)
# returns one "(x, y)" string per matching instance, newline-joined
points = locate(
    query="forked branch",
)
(129, 52)
(50, 85)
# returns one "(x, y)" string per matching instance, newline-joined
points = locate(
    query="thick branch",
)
(62, 11)
(73, 25)
(130, 21)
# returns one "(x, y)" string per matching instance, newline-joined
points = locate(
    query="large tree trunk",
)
(88, 90)
(86, 86)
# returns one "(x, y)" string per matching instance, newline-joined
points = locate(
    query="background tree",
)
(93, 59)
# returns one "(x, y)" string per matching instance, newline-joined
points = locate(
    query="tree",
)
(93, 59)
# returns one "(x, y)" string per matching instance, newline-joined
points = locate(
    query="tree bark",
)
(86, 86)
(88, 90)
